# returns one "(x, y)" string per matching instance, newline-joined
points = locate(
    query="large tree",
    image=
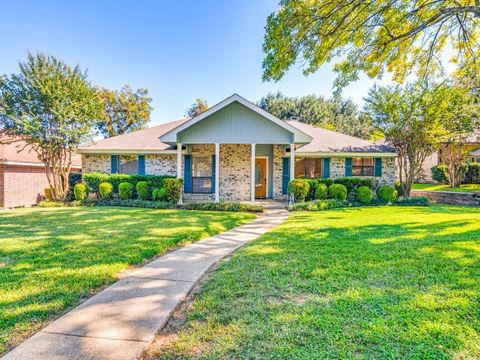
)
(334, 114)
(124, 111)
(460, 121)
(410, 118)
(52, 107)
(398, 36)
(197, 108)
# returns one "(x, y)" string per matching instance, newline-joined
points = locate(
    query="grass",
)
(469, 188)
(359, 283)
(52, 258)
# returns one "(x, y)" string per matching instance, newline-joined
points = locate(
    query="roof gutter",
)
(345, 154)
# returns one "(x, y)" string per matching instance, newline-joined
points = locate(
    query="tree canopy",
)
(398, 36)
(52, 107)
(124, 111)
(197, 108)
(334, 114)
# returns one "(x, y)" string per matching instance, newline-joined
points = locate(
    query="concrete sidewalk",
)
(119, 322)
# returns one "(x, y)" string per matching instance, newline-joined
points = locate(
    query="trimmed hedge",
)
(320, 205)
(106, 190)
(337, 191)
(386, 193)
(143, 191)
(364, 195)
(224, 206)
(125, 190)
(93, 180)
(413, 201)
(159, 194)
(299, 189)
(439, 173)
(173, 189)
(80, 191)
(321, 192)
(472, 175)
(131, 203)
(352, 183)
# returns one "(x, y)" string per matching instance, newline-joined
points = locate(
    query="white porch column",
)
(292, 161)
(217, 172)
(179, 168)
(252, 173)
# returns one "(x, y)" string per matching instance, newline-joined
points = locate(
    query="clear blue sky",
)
(179, 49)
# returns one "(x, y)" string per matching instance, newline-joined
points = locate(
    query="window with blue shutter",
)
(285, 175)
(187, 180)
(141, 164)
(378, 167)
(326, 167)
(213, 174)
(114, 164)
(348, 167)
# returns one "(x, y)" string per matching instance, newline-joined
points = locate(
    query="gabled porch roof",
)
(235, 120)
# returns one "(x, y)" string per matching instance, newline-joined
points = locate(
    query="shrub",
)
(399, 188)
(386, 193)
(363, 194)
(313, 183)
(93, 180)
(106, 190)
(73, 178)
(173, 189)
(125, 191)
(143, 191)
(299, 189)
(472, 175)
(80, 191)
(321, 192)
(320, 205)
(130, 203)
(48, 193)
(351, 183)
(439, 173)
(337, 191)
(159, 194)
(224, 206)
(326, 181)
(413, 201)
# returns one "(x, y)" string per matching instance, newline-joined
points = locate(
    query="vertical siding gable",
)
(236, 124)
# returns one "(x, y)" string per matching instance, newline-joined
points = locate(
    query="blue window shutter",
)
(285, 175)
(326, 167)
(348, 167)
(187, 179)
(378, 167)
(114, 163)
(141, 164)
(213, 174)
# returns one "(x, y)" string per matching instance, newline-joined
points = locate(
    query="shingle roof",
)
(142, 140)
(10, 152)
(324, 141)
(327, 141)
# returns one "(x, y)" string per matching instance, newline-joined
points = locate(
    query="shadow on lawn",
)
(51, 257)
(341, 286)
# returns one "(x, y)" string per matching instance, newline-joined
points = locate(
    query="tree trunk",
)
(57, 169)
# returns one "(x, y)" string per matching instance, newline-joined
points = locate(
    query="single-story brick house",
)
(22, 175)
(237, 151)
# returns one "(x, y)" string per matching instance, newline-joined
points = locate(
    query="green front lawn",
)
(443, 187)
(373, 282)
(52, 258)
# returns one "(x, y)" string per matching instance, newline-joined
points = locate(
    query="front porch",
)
(234, 172)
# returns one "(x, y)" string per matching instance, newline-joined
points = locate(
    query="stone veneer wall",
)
(235, 172)
(337, 169)
(278, 155)
(96, 163)
(161, 164)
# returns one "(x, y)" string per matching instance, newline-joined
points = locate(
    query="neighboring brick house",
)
(22, 175)
(237, 151)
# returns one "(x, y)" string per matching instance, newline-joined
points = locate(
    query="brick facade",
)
(21, 185)
(234, 169)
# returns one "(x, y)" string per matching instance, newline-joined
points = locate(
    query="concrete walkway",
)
(119, 322)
